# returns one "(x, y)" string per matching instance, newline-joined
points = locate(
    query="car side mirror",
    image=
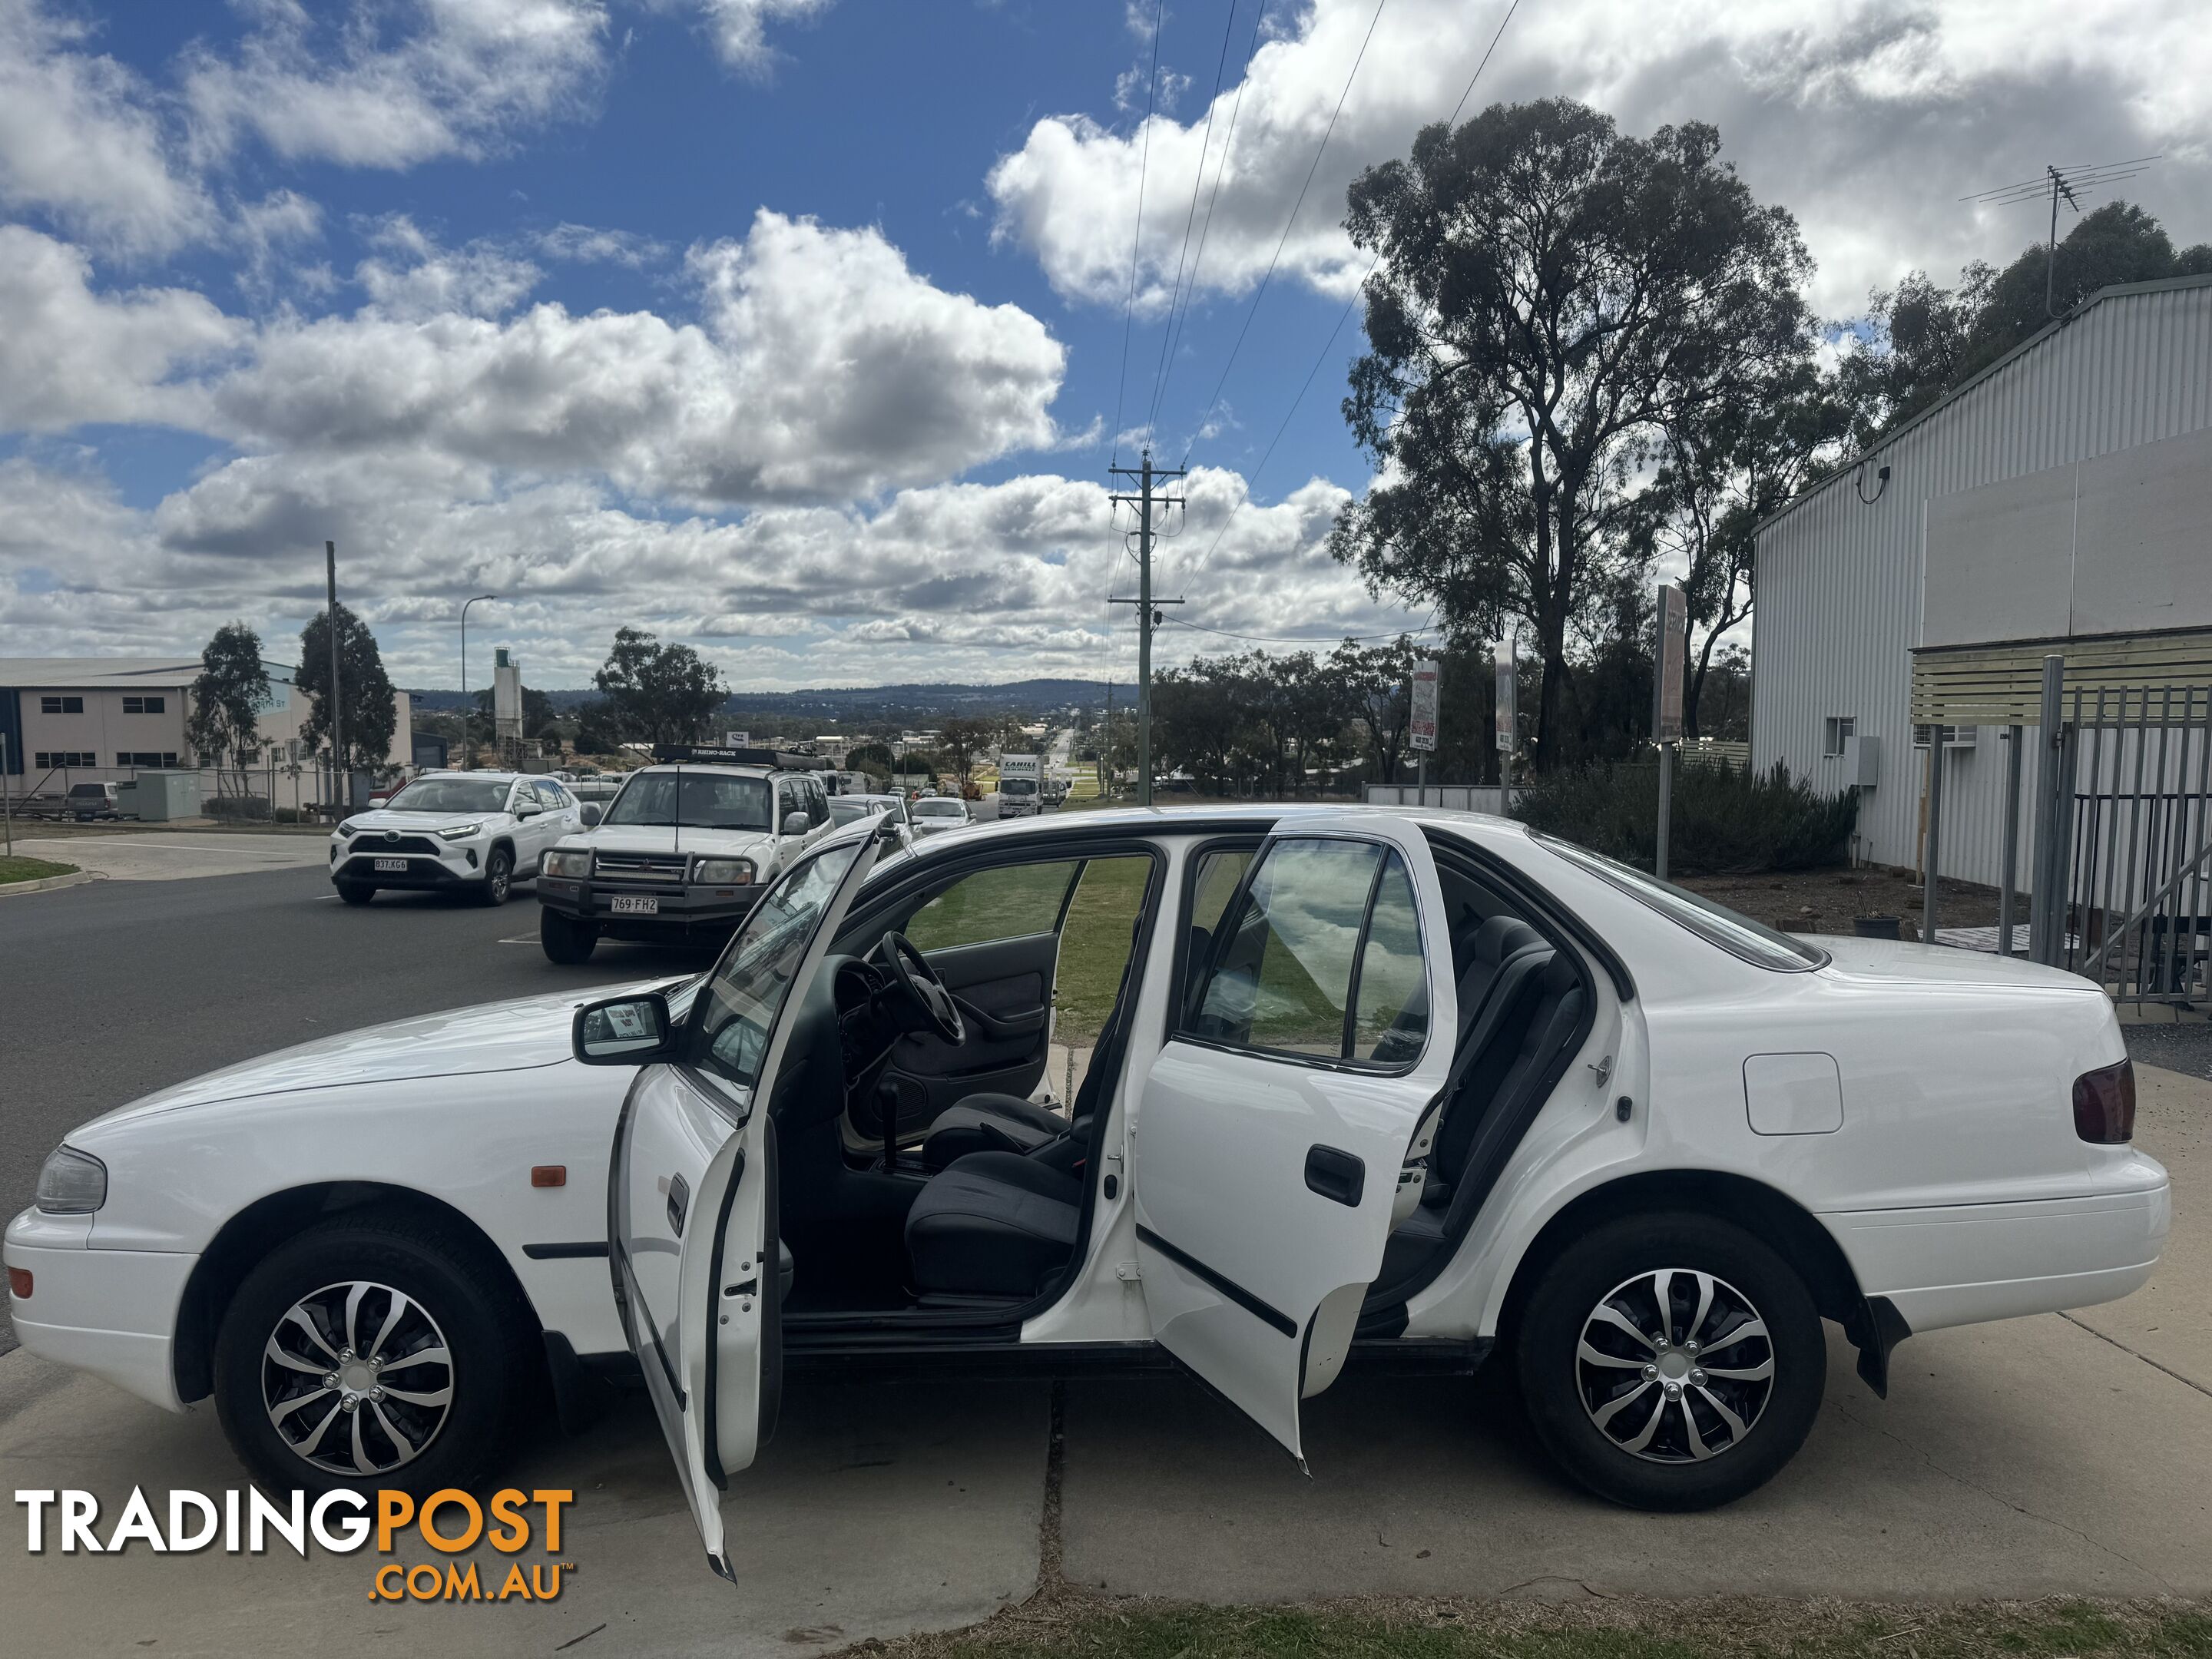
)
(591, 815)
(796, 823)
(528, 809)
(631, 1030)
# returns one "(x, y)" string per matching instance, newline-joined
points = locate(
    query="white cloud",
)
(822, 368)
(81, 138)
(1868, 120)
(384, 87)
(738, 28)
(68, 355)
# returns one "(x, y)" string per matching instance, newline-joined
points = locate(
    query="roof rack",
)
(780, 760)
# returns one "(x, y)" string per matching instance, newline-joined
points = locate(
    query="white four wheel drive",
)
(472, 832)
(681, 856)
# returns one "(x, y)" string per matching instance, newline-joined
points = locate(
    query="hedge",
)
(1727, 820)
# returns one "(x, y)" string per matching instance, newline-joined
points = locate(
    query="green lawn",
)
(1075, 1623)
(14, 869)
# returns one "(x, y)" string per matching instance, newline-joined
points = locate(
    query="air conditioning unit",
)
(1862, 761)
(1954, 737)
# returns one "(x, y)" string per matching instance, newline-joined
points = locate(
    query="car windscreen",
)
(938, 808)
(1737, 934)
(1017, 785)
(451, 795)
(696, 800)
(847, 809)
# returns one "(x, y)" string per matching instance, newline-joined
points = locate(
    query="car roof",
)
(479, 775)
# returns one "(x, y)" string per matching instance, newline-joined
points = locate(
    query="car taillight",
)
(2105, 1105)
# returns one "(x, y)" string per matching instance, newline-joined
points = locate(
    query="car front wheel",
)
(355, 892)
(1670, 1362)
(566, 940)
(498, 877)
(386, 1352)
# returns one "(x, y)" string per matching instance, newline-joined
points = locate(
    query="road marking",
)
(521, 939)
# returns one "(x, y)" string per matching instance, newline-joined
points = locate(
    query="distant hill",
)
(871, 704)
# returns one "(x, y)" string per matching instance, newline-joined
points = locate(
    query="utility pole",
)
(1148, 616)
(1106, 749)
(338, 721)
(479, 600)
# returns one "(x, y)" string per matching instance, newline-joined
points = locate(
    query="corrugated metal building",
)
(1842, 569)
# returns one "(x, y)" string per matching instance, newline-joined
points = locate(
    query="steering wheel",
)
(922, 986)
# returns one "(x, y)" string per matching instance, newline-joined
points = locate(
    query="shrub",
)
(239, 808)
(288, 815)
(1727, 820)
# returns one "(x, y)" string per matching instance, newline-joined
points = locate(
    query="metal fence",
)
(1452, 797)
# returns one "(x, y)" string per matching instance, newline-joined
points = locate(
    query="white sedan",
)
(934, 814)
(1413, 1088)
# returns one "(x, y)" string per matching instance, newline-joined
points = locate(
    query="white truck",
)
(1021, 786)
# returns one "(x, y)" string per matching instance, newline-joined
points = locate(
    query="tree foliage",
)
(1552, 297)
(370, 710)
(656, 693)
(228, 697)
(1919, 340)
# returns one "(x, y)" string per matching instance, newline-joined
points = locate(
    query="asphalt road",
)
(116, 988)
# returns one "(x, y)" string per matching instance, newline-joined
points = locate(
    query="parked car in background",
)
(1416, 1091)
(851, 809)
(471, 832)
(934, 814)
(680, 857)
(86, 801)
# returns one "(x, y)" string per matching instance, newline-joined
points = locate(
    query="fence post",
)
(2047, 903)
(1665, 804)
(1931, 898)
(2009, 888)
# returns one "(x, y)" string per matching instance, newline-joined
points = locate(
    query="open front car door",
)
(1273, 1126)
(691, 1188)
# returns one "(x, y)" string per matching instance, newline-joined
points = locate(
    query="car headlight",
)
(459, 832)
(349, 828)
(71, 1182)
(728, 873)
(576, 861)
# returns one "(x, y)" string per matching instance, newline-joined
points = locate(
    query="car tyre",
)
(1586, 1361)
(355, 892)
(498, 877)
(459, 1300)
(566, 940)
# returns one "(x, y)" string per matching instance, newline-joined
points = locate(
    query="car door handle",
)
(1336, 1175)
(997, 1029)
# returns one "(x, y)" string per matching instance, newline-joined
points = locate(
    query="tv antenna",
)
(2066, 183)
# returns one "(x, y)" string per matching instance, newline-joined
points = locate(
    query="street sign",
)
(1672, 627)
(1508, 676)
(737, 739)
(1422, 732)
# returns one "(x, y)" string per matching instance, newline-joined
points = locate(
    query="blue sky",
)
(794, 328)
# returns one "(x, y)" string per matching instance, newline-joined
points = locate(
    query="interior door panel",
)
(1005, 988)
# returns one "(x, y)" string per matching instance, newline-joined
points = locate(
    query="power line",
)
(1260, 293)
(1137, 234)
(1297, 639)
(1172, 333)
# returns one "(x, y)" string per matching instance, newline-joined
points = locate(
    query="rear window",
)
(1737, 934)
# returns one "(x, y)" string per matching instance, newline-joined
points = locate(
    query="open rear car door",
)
(1274, 1124)
(691, 1187)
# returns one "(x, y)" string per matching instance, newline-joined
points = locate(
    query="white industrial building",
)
(2060, 502)
(82, 719)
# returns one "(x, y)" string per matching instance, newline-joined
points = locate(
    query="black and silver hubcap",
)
(357, 1378)
(1674, 1365)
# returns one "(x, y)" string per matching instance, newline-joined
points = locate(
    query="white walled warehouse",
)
(2061, 500)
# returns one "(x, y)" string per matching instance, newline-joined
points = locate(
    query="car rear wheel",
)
(1670, 1362)
(355, 892)
(566, 940)
(384, 1352)
(498, 877)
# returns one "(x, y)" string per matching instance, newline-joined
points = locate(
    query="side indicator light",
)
(549, 1174)
(19, 1284)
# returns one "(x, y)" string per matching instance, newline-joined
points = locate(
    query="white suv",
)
(477, 831)
(680, 857)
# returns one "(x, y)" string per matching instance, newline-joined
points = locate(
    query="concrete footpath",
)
(2066, 1454)
(142, 856)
